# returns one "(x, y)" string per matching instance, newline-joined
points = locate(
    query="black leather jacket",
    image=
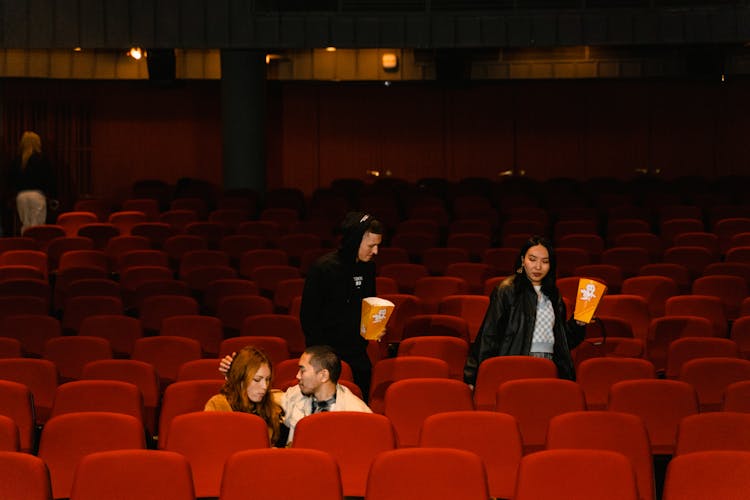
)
(508, 328)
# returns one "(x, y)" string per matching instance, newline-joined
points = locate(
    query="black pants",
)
(362, 371)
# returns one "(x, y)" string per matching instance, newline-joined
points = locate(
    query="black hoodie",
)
(335, 286)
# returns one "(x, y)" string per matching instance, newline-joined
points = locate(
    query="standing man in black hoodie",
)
(335, 286)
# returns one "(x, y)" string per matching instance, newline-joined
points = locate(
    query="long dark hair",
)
(549, 282)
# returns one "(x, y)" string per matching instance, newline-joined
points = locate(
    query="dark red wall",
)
(319, 131)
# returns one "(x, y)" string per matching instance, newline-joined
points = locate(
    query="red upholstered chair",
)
(133, 474)
(493, 436)
(607, 430)
(200, 369)
(154, 310)
(436, 324)
(139, 257)
(588, 474)
(316, 470)
(631, 308)
(504, 260)
(284, 326)
(205, 329)
(567, 227)
(8, 434)
(628, 259)
(729, 269)
(472, 308)
(19, 407)
(596, 376)
(407, 306)
(212, 232)
(208, 439)
(409, 402)
(199, 278)
(193, 259)
(124, 220)
(77, 309)
(708, 474)
(354, 439)
(33, 258)
(740, 333)
(148, 206)
(619, 227)
(24, 476)
(178, 219)
(725, 229)
(731, 290)
(709, 241)
(474, 243)
(39, 375)
(32, 330)
(68, 438)
(17, 243)
(533, 402)
(682, 350)
(99, 395)
(10, 348)
(99, 232)
(59, 246)
(711, 376)
(737, 397)
(406, 275)
(141, 374)
(252, 259)
(655, 289)
(70, 354)
(593, 244)
(715, 430)
(156, 232)
(166, 354)
(452, 350)
(218, 289)
(268, 277)
(705, 306)
(663, 331)
(648, 241)
(695, 259)
(43, 234)
(670, 229)
(121, 331)
(494, 371)
(660, 403)
(677, 272)
(232, 310)
(387, 371)
(437, 473)
(181, 398)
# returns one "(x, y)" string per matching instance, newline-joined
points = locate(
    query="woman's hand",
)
(226, 362)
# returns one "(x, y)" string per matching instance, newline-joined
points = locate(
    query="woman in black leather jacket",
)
(510, 325)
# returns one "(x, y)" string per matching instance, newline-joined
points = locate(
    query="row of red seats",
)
(441, 473)
(707, 376)
(206, 440)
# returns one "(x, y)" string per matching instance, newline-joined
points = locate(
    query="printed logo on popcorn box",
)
(590, 292)
(375, 314)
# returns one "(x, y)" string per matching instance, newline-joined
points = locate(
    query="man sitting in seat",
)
(318, 389)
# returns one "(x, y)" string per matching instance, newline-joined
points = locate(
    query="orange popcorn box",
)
(590, 292)
(375, 314)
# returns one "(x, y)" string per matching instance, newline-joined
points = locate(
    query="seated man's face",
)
(309, 378)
